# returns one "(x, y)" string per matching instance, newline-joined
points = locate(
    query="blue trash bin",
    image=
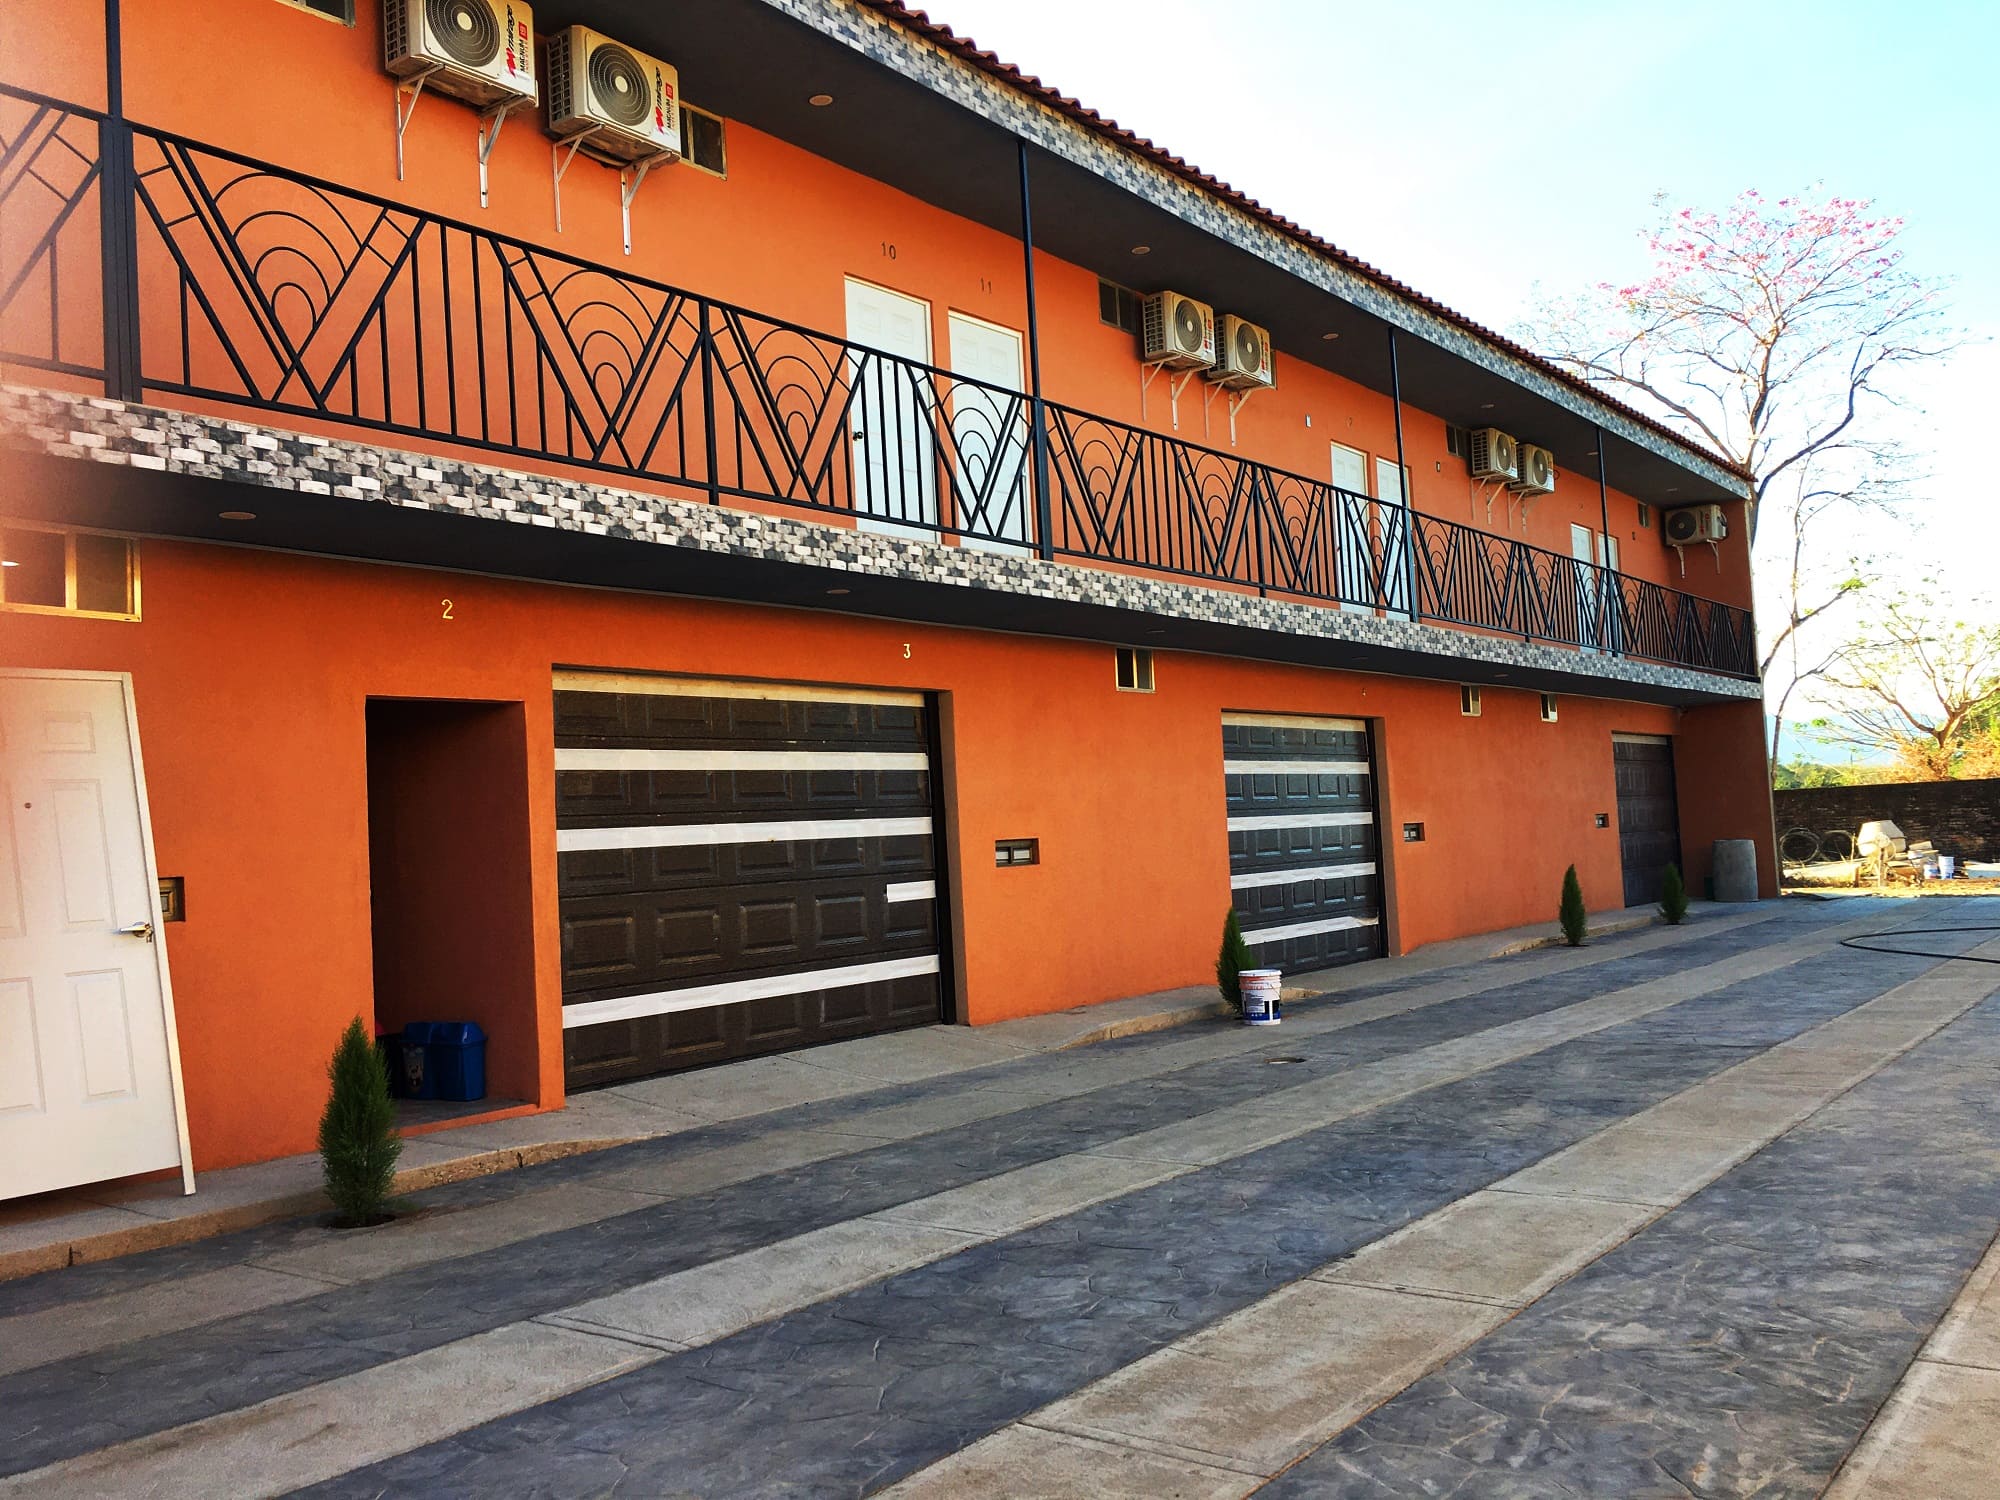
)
(455, 1065)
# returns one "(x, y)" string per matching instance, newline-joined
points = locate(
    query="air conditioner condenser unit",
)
(481, 51)
(1492, 454)
(1177, 331)
(1244, 361)
(625, 104)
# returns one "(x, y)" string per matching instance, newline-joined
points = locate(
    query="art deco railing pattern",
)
(132, 257)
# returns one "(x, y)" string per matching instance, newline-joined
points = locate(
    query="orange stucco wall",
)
(252, 673)
(736, 239)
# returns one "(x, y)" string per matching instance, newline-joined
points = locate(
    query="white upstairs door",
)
(89, 1069)
(1353, 549)
(1583, 548)
(895, 420)
(1392, 496)
(989, 437)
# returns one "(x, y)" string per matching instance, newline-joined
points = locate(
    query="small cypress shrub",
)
(1575, 921)
(1232, 961)
(1673, 895)
(358, 1144)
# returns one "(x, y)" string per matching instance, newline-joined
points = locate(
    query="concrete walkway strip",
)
(1935, 1436)
(326, 1429)
(41, 1338)
(1259, 1390)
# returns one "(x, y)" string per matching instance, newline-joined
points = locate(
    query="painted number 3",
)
(447, 608)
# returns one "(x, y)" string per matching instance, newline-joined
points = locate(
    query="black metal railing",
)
(260, 287)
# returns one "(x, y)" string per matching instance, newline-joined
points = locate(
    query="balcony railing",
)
(154, 265)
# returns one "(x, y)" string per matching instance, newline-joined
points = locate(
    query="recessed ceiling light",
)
(237, 515)
(1329, 336)
(819, 101)
(1486, 406)
(836, 591)
(1673, 489)
(1142, 249)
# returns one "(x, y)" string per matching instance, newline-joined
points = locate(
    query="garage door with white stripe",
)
(1304, 854)
(742, 869)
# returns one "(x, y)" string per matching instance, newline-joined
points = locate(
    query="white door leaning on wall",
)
(89, 1067)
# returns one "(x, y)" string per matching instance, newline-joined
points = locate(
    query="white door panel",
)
(989, 434)
(87, 1073)
(1392, 499)
(1353, 551)
(894, 415)
(1583, 548)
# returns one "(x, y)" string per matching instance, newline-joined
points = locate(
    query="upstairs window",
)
(44, 570)
(334, 10)
(702, 141)
(1117, 306)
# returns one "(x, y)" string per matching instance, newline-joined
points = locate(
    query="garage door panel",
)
(712, 905)
(614, 944)
(1648, 814)
(587, 799)
(608, 872)
(1304, 858)
(666, 721)
(1278, 848)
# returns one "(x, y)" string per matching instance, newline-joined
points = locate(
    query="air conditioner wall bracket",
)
(490, 121)
(1174, 387)
(408, 92)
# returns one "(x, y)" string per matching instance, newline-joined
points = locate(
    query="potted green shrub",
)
(1232, 961)
(1575, 920)
(358, 1144)
(1673, 896)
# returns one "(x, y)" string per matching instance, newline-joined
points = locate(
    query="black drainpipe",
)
(117, 189)
(1038, 432)
(1606, 577)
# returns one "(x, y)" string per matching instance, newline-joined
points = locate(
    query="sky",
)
(1392, 129)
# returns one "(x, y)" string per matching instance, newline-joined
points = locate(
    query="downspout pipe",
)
(1038, 429)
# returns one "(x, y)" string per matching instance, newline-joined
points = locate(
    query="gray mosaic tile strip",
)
(155, 1383)
(1743, 1343)
(864, 1388)
(66, 425)
(880, 39)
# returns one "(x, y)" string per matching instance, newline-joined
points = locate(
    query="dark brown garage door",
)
(743, 869)
(1649, 819)
(1304, 867)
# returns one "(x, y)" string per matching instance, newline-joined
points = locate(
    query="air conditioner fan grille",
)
(618, 86)
(1187, 327)
(464, 30)
(1249, 348)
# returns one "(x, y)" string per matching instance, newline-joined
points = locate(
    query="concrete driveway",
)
(1700, 1211)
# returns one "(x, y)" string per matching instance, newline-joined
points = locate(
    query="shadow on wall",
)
(449, 892)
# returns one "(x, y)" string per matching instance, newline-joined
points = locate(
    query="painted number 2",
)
(447, 608)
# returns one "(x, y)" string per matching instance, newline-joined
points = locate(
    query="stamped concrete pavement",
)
(1686, 1212)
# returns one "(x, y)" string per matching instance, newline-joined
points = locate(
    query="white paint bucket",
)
(1947, 866)
(1261, 989)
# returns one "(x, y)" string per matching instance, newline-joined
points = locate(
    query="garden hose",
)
(1869, 942)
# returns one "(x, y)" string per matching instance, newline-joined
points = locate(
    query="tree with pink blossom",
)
(1774, 332)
